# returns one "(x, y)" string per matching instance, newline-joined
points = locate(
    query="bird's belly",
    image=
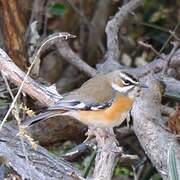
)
(109, 117)
(97, 120)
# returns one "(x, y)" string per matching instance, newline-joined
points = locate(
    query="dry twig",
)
(67, 53)
(113, 27)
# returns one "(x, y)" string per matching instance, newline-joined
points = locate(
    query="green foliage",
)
(90, 163)
(156, 18)
(58, 9)
(123, 171)
(172, 166)
(61, 150)
(3, 103)
(151, 173)
(173, 96)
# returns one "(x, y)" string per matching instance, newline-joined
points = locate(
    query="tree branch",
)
(113, 27)
(141, 125)
(42, 93)
(106, 156)
(43, 165)
(66, 52)
(153, 138)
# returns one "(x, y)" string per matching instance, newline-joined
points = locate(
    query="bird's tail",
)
(41, 117)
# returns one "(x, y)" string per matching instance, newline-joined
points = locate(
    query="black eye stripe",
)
(130, 76)
(127, 82)
(127, 78)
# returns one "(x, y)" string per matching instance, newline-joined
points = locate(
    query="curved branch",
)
(113, 26)
(67, 53)
(154, 139)
(43, 94)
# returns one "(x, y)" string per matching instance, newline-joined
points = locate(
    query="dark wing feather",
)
(41, 117)
(78, 105)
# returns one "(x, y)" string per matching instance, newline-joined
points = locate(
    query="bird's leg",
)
(90, 134)
(100, 135)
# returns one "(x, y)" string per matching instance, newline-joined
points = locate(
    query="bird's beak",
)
(142, 85)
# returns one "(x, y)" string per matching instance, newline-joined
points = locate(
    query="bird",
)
(104, 101)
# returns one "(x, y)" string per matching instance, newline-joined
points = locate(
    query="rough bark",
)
(40, 165)
(13, 28)
(155, 140)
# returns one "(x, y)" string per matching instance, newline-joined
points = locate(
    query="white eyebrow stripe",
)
(128, 78)
(121, 89)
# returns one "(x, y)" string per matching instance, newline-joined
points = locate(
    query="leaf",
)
(58, 9)
(172, 166)
(173, 96)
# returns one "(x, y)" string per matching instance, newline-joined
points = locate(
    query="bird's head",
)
(125, 83)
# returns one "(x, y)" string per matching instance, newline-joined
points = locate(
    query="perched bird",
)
(103, 101)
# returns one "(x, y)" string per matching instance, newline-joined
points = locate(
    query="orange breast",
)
(112, 115)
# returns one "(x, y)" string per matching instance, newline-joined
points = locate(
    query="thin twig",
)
(113, 27)
(45, 19)
(168, 60)
(174, 35)
(71, 57)
(169, 38)
(149, 46)
(18, 121)
(7, 85)
(154, 26)
(58, 36)
(89, 24)
(92, 159)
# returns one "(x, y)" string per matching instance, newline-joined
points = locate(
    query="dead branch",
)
(172, 85)
(154, 139)
(13, 72)
(43, 94)
(99, 22)
(88, 23)
(154, 66)
(42, 164)
(113, 27)
(158, 64)
(71, 57)
(106, 155)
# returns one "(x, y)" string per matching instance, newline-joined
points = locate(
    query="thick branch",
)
(106, 155)
(158, 64)
(113, 26)
(43, 94)
(154, 139)
(152, 142)
(40, 165)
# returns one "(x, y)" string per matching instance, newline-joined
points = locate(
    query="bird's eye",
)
(126, 82)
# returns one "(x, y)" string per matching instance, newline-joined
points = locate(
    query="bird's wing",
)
(95, 94)
(79, 105)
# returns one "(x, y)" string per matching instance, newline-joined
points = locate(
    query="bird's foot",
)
(90, 134)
